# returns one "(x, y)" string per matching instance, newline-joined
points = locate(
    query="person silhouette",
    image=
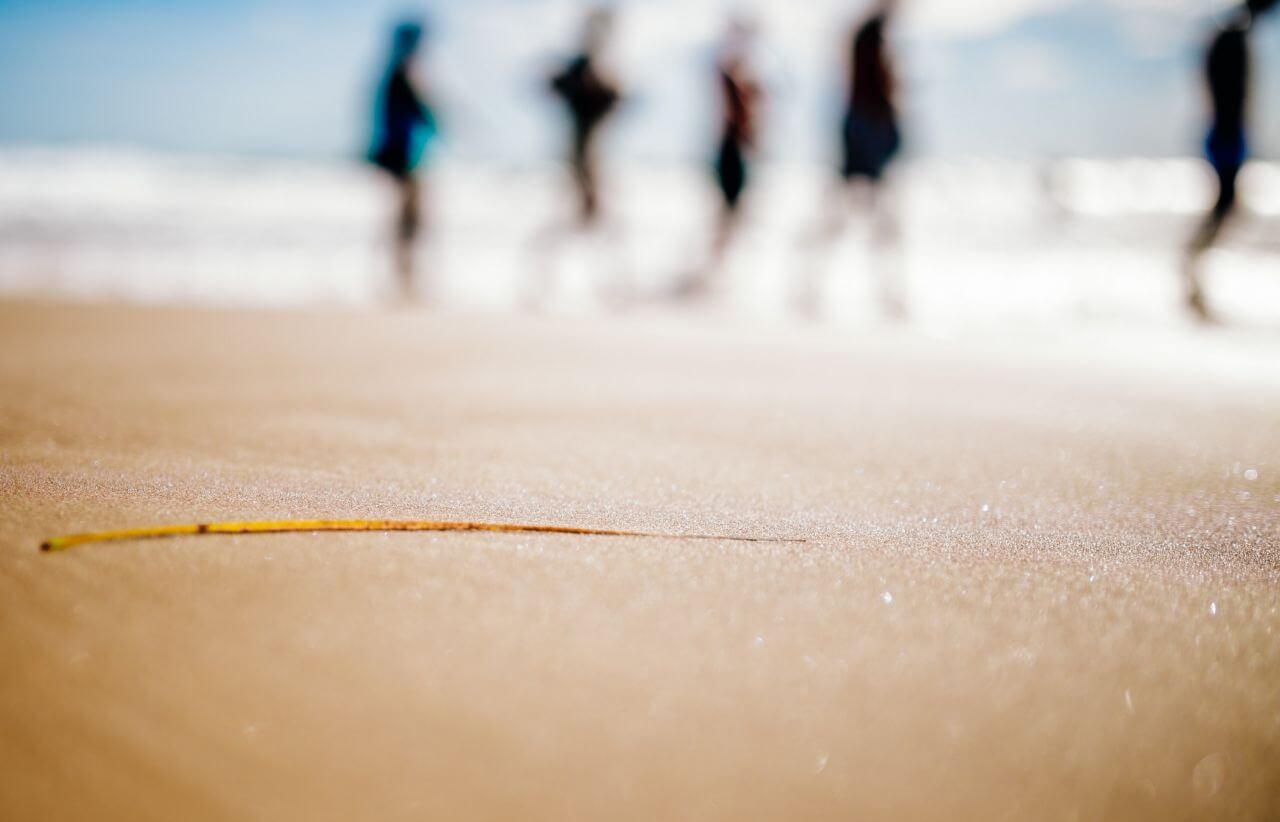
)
(870, 138)
(589, 95)
(869, 131)
(1226, 146)
(741, 100)
(741, 96)
(404, 125)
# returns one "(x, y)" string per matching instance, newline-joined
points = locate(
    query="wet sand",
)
(1041, 577)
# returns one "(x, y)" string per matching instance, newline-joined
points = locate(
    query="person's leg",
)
(545, 248)
(1206, 235)
(588, 198)
(585, 180)
(732, 169)
(886, 250)
(406, 233)
(815, 244)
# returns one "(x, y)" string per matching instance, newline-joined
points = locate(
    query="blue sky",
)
(996, 77)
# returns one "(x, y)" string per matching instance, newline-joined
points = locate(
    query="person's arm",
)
(408, 101)
(421, 108)
(426, 113)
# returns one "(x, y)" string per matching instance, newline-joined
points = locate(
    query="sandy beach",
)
(1040, 575)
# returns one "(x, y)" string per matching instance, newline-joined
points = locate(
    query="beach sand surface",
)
(1039, 575)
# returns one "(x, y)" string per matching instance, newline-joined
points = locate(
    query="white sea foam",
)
(980, 240)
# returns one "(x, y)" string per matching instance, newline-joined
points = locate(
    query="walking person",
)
(741, 99)
(1226, 147)
(870, 138)
(404, 125)
(589, 95)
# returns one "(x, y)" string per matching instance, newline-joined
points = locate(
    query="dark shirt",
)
(871, 86)
(588, 96)
(1227, 70)
(401, 112)
(741, 94)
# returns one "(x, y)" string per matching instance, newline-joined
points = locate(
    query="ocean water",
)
(977, 241)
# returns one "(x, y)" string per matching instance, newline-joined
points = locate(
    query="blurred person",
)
(1226, 147)
(590, 95)
(741, 99)
(404, 125)
(870, 127)
(741, 96)
(869, 140)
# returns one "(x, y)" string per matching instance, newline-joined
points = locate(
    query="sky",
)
(1002, 78)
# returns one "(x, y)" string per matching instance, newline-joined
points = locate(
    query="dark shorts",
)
(392, 158)
(731, 171)
(869, 145)
(1226, 151)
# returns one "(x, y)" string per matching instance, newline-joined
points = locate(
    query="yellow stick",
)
(312, 525)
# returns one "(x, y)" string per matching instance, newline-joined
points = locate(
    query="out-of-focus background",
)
(961, 496)
(213, 152)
